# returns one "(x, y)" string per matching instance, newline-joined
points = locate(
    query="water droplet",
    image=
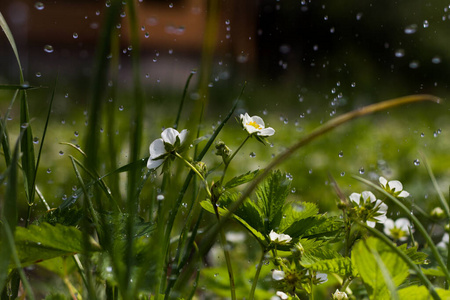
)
(170, 5)
(436, 60)
(252, 154)
(48, 48)
(426, 24)
(146, 35)
(109, 269)
(353, 84)
(341, 154)
(61, 153)
(121, 108)
(38, 74)
(76, 133)
(342, 174)
(439, 131)
(399, 53)
(293, 190)
(289, 176)
(422, 134)
(416, 162)
(160, 197)
(414, 64)
(39, 5)
(410, 29)
(359, 16)
(75, 35)
(435, 134)
(361, 170)
(24, 125)
(49, 171)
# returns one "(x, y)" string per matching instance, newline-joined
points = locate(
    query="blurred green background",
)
(305, 62)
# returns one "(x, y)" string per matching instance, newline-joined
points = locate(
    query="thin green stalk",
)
(227, 163)
(183, 97)
(223, 242)
(255, 279)
(194, 169)
(405, 258)
(436, 187)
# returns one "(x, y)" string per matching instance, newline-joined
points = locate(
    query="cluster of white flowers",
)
(377, 209)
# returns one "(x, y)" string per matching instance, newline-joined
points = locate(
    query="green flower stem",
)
(223, 242)
(231, 158)
(196, 172)
(255, 279)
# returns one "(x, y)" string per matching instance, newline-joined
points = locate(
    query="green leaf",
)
(320, 227)
(241, 179)
(272, 194)
(369, 270)
(38, 243)
(340, 265)
(68, 217)
(207, 205)
(433, 272)
(415, 292)
(417, 257)
(293, 213)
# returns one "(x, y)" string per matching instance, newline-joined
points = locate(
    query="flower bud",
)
(437, 213)
(222, 150)
(338, 295)
(297, 250)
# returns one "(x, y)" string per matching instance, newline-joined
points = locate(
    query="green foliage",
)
(241, 179)
(370, 271)
(38, 243)
(415, 292)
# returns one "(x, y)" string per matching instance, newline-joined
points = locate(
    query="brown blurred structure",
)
(177, 25)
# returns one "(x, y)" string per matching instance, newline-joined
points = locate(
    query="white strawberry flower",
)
(171, 140)
(398, 229)
(278, 275)
(255, 125)
(393, 187)
(369, 208)
(444, 242)
(279, 238)
(338, 295)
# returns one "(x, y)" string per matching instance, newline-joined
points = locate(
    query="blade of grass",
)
(436, 186)
(418, 225)
(10, 38)
(9, 214)
(4, 137)
(183, 97)
(135, 145)
(33, 184)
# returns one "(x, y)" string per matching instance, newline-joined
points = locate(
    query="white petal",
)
(355, 197)
(381, 218)
(371, 224)
(157, 148)
(170, 135)
(445, 238)
(245, 118)
(278, 275)
(273, 235)
(395, 185)
(282, 295)
(403, 194)
(382, 206)
(266, 131)
(403, 224)
(284, 238)
(153, 164)
(183, 135)
(383, 181)
(250, 129)
(258, 121)
(368, 197)
(388, 225)
(323, 277)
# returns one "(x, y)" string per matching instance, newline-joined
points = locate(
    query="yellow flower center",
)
(254, 124)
